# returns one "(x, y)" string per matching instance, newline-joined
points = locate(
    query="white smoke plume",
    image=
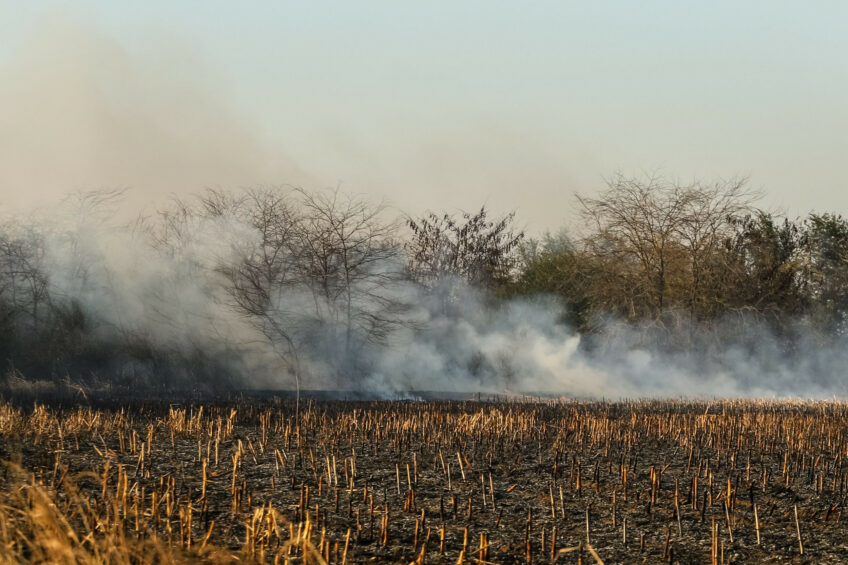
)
(522, 347)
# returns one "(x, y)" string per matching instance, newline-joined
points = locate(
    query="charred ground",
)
(435, 481)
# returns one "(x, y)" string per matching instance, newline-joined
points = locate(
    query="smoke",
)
(157, 316)
(90, 292)
(82, 109)
(523, 347)
(79, 110)
(150, 303)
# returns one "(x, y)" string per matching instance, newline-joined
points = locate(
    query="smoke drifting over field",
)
(154, 303)
(523, 346)
(214, 298)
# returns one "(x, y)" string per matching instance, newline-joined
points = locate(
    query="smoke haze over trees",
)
(664, 288)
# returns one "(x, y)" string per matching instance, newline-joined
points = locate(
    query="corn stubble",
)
(430, 482)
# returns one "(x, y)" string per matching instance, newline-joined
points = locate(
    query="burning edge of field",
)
(66, 393)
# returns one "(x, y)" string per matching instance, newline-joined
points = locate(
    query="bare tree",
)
(635, 223)
(23, 282)
(655, 243)
(259, 282)
(710, 219)
(319, 275)
(350, 260)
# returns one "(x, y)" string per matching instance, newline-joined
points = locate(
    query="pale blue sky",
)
(431, 104)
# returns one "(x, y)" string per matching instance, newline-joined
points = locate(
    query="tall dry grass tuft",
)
(40, 524)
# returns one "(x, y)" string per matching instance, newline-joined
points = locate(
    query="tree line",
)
(681, 256)
(322, 278)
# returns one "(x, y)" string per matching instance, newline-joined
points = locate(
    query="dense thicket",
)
(321, 281)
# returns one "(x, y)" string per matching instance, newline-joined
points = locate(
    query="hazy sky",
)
(429, 104)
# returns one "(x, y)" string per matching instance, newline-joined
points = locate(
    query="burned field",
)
(425, 482)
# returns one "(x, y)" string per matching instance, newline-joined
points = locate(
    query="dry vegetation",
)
(425, 482)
